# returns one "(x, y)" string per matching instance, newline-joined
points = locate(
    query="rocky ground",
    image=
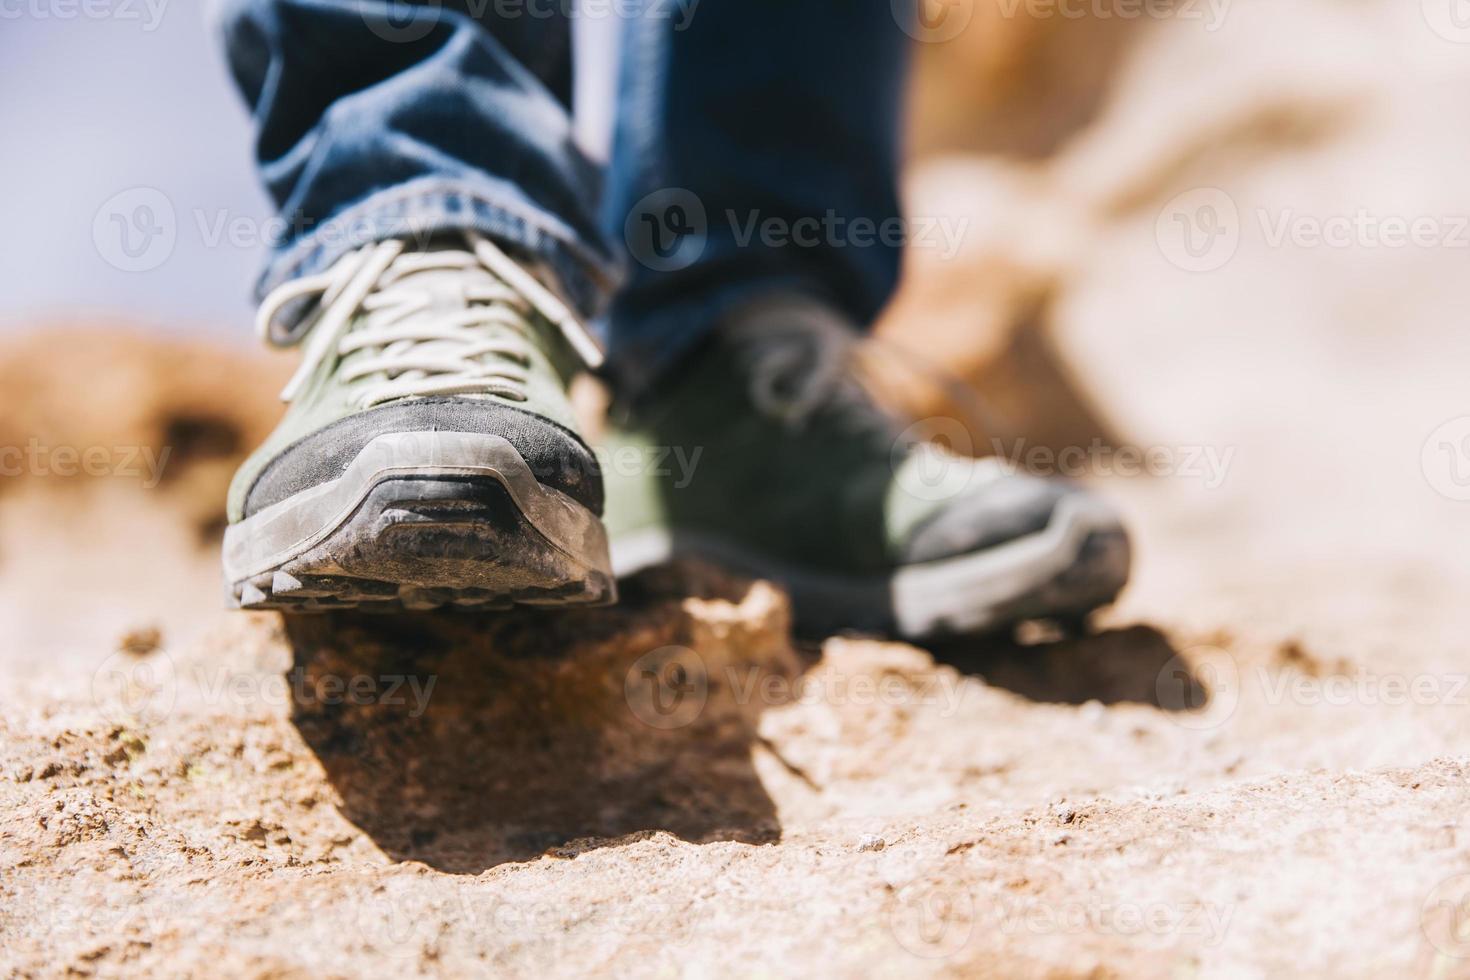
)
(1244, 779)
(1254, 765)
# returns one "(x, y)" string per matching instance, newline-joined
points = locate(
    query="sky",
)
(120, 119)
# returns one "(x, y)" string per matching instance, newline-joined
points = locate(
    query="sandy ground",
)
(1255, 765)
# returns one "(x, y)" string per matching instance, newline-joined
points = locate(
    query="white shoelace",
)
(442, 322)
(803, 361)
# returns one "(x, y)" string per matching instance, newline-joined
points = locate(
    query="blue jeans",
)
(755, 148)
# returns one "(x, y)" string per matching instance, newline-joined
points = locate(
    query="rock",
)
(141, 641)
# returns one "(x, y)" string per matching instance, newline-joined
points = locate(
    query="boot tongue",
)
(448, 290)
(445, 241)
(526, 278)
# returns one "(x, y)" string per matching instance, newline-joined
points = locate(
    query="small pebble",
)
(871, 842)
(140, 641)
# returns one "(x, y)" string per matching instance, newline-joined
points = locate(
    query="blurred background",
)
(135, 97)
(1220, 229)
(1208, 255)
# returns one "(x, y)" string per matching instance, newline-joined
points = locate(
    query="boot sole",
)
(420, 520)
(1076, 564)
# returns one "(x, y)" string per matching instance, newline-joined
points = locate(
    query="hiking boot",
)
(761, 451)
(429, 456)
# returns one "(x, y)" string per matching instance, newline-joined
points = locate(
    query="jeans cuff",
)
(584, 275)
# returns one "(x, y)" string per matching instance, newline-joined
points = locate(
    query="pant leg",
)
(756, 149)
(377, 118)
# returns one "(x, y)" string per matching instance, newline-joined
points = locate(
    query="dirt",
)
(1255, 764)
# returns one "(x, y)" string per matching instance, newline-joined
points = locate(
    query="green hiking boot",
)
(429, 455)
(762, 452)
